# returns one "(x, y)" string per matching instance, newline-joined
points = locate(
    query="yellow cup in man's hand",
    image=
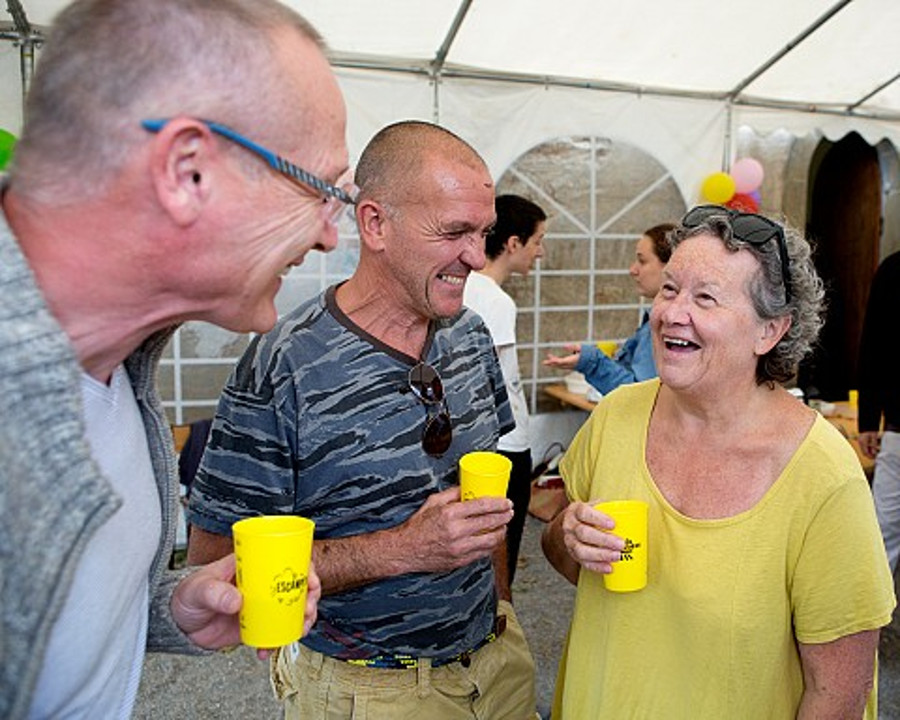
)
(272, 554)
(483, 474)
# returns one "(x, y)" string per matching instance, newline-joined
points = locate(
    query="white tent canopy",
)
(674, 78)
(840, 56)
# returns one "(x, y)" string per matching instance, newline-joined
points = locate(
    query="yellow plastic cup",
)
(853, 397)
(608, 347)
(272, 554)
(630, 573)
(483, 474)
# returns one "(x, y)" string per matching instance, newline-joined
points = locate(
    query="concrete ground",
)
(235, 686)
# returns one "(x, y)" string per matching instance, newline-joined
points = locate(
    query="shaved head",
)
(395, 160)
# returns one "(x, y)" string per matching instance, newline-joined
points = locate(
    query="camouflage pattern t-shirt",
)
(318, 420)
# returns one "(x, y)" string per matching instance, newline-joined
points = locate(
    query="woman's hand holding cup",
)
(587, 536)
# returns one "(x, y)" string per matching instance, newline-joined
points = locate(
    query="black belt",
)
(408, 662)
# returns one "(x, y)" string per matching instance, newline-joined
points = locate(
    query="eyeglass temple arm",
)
(157, 124)
(275, 161)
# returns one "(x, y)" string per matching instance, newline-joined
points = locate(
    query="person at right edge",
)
(879, 400)
(767, 579)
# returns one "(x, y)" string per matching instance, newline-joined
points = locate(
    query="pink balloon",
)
(747, 174)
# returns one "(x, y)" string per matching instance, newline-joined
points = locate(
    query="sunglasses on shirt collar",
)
(426, 385)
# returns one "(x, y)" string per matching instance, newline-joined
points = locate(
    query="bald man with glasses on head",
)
(115, 228)
(354, 411)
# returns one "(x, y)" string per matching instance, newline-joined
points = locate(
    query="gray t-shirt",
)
(318, 420)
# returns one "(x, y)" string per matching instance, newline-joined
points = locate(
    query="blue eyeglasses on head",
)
(335, 196)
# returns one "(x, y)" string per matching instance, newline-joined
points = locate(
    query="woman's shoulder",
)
(634, 393)
(827, 456)
(827, 439)
(631, 401)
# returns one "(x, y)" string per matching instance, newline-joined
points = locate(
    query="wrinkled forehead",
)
(705, 258)
(460, 179)
(450, 187)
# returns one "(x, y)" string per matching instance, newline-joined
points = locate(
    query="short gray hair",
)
(391, 165)
(108, 64)
(806, 305)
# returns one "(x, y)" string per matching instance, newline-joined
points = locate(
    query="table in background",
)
(843, 418)
(569, 398)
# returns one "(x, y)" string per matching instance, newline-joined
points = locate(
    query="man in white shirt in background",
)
(511, 248)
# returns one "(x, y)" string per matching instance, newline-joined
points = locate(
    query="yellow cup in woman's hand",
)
(630, 516)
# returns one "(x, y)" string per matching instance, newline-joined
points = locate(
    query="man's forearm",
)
(350, 562)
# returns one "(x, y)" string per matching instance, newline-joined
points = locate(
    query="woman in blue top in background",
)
(634, 359)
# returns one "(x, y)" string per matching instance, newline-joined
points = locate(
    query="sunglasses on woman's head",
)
(426, 385)
(750, 228)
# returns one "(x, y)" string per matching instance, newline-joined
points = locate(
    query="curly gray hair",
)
(805, 299)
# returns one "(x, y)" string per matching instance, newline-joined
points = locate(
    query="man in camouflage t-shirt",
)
(354, 412)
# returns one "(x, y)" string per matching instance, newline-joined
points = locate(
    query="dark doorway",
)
(845, 226)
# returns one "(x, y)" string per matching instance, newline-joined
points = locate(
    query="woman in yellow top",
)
(768, 581)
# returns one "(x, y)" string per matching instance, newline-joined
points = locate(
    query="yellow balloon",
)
(718, 188)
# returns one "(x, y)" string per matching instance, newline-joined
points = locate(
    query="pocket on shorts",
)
(281, 674)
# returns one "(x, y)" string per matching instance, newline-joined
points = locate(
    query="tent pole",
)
(886, 83)
(743, 84)
(26, 37)
(440, 58)
(436, 102)
(726, 140)
(26, 65)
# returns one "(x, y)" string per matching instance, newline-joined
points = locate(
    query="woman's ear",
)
(771, 332)
(181, 170)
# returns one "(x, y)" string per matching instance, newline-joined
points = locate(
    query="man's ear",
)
(181, 169)
(371, 219)
(513, 243)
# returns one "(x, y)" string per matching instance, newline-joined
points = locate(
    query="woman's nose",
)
(673, 310)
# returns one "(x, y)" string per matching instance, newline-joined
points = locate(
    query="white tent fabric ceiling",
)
(803, 53)
(828, 54)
